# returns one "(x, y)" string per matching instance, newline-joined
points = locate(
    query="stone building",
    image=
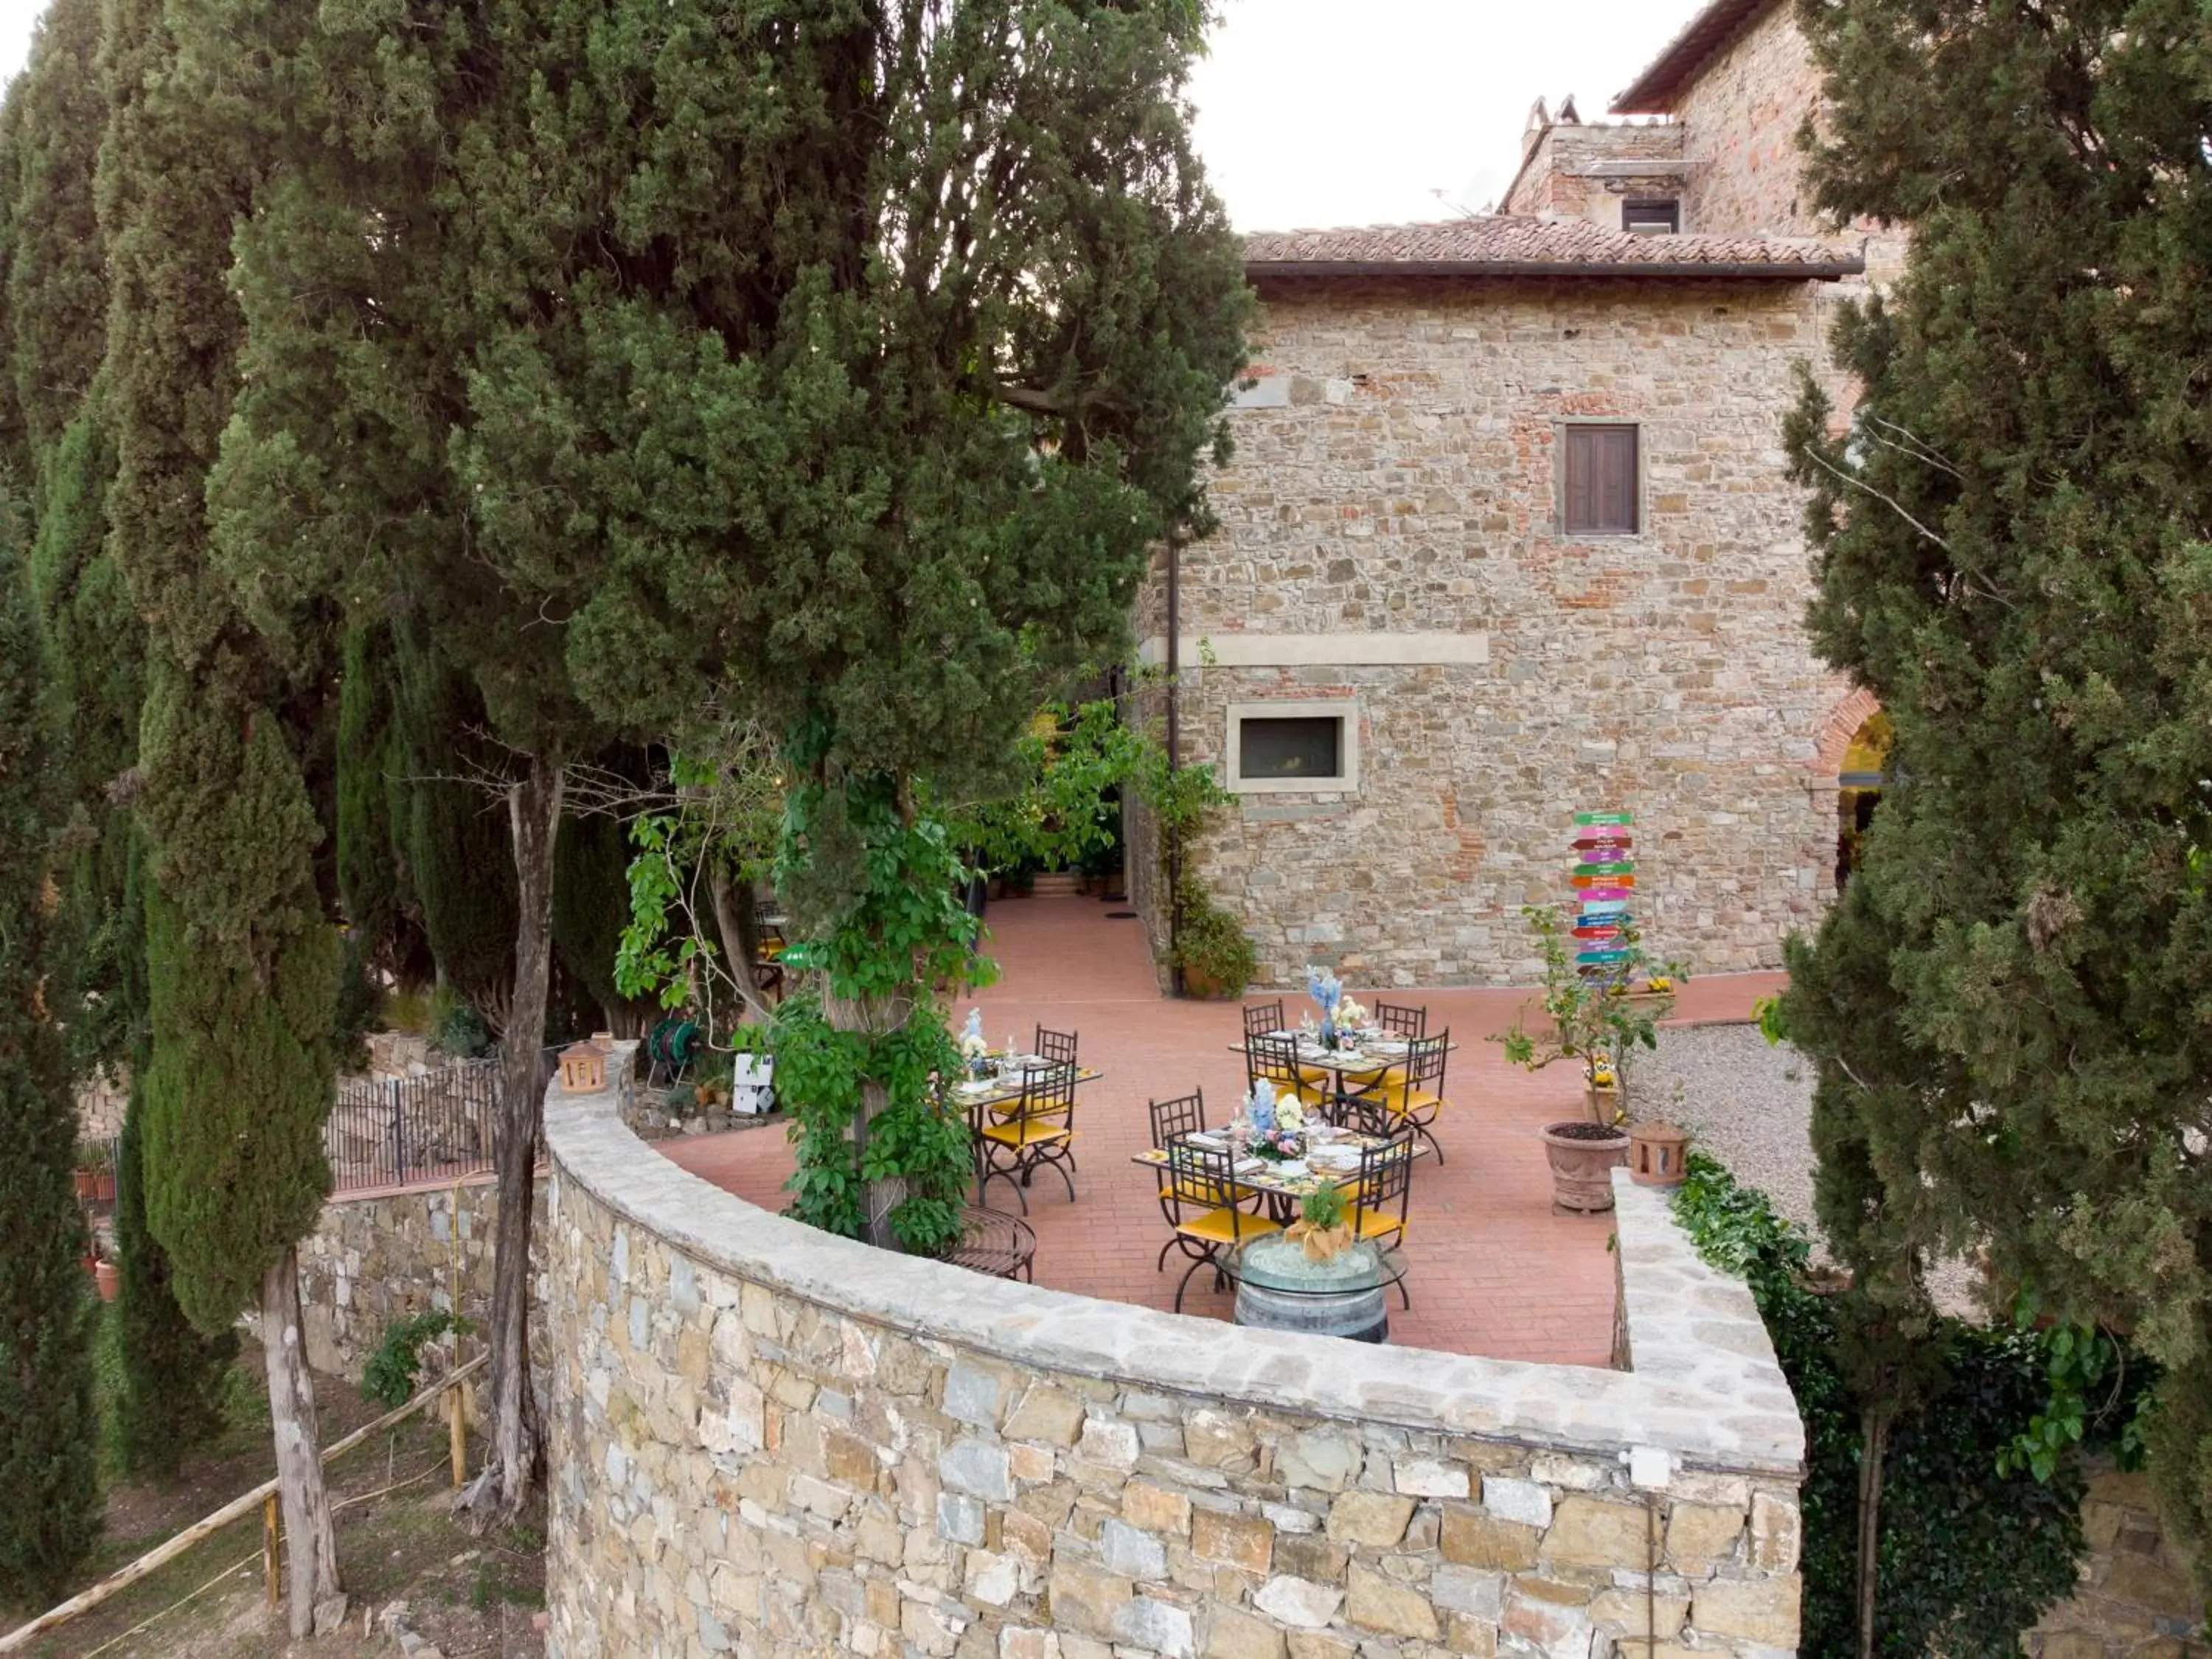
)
(1507, 534)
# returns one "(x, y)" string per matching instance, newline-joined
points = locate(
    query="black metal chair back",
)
(1264, 1019)
(1274, 1058)
(1401, 1018)
(1425, 1064)
(1385, 1177)
(1048, 1094)
(1058, 1046)
(1202, 1179)
(1173, 1119)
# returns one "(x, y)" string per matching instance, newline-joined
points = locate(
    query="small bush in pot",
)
(1591, 1023)
(1217, 958)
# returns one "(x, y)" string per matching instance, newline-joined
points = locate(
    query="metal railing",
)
(394, 1132)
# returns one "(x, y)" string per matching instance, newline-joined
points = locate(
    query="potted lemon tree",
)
(1589, 1022)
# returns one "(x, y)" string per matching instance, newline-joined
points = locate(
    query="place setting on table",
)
(1279, 1148)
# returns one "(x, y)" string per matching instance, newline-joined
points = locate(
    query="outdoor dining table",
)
(1368, 1060)
(1284, 1191)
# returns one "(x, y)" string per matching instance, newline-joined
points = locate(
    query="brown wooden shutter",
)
(1600, 494)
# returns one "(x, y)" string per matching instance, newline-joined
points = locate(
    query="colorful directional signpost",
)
(1605, 890)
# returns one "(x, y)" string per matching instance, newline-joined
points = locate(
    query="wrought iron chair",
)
(1184, 1115)
(1201, 1200)
(1040, 1134)
(1412, 1096)
(1276, 1059)
(1377, 1211)
(1264, 1019)
(1401, 1018)
(1058, 1046)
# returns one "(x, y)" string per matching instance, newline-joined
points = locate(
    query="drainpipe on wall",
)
(1175, 749)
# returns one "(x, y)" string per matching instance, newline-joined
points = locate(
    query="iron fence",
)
(390, 1132)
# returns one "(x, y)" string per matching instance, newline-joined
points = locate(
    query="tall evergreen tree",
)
(2014, 552)
(57, 298)
(242, 960)
(859, 355)
(50, 1509)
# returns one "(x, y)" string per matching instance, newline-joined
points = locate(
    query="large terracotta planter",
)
(105, 1277)
(1197, 982)
(1601, 1103)
(1583, 1157)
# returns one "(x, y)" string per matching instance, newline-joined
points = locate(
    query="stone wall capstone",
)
(767, 1441)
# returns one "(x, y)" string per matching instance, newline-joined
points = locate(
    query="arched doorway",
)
(1858, 790)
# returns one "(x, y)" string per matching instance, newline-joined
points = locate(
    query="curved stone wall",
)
(768, 1441)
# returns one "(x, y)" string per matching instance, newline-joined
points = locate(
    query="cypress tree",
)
(50, 1510)
(242, 959)
(91, 667)
(172, 1374)
(2013, 552)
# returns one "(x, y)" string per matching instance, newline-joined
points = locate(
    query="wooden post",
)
(456, 1407)
(272, 1549)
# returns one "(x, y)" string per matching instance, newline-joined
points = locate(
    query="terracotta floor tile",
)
(1494, 1271)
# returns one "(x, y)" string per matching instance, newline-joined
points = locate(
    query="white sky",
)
(1363, 111)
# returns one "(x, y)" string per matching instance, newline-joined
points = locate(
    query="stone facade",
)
(1567, 168)
(373, 1258)
(767, 1441)
(2137, 1599)
(1401, 492)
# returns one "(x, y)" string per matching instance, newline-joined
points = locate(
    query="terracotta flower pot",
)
(105, 1276)
(1582, 1155)
(1601, 1103)
(1197, 982)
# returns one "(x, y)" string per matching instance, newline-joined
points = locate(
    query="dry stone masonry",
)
(767, 1441)
(1404, 486)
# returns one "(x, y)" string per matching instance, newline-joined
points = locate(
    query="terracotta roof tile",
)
(1499, 246)
(1659, 89)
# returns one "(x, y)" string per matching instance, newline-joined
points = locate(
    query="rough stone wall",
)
(2137, 1600)
(374, 1259)
(1406, 487)
(770, 1442)
(1741, 118)
(101, 1101)
(1552, 181)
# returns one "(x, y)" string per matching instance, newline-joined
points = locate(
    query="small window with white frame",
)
(1283, 748)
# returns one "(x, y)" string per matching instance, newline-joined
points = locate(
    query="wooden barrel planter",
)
(1279, 1289)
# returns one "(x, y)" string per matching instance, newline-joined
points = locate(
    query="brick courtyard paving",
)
(1492, 1270)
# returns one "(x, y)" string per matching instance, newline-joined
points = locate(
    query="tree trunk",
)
(740, 932)
(874, 1016)
(310, 1546)
(1876, 1430)
(511, 1472)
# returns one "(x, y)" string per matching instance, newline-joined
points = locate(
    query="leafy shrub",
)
(459, 1029)
(1969, 1557)
(1211, 944)
(389, 1378)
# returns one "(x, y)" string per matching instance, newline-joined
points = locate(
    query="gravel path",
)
(1749, 1104)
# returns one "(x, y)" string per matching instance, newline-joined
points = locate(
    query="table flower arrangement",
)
(1278, 1144)
(1327, 992)
(975, 1049)
(1273, 1129)
(1350, 1016)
